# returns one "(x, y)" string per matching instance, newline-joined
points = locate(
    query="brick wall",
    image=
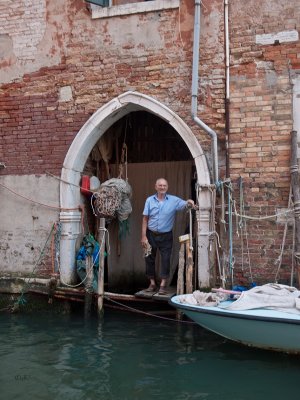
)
(261, 122)
(59, 66)
(100, 59)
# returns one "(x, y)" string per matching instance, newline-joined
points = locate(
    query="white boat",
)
(275, 326)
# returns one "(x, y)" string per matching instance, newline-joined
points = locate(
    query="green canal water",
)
(126, 356)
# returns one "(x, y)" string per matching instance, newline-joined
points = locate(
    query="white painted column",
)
(203, 224)
(70, 219)
(203, 216)
(70, 230)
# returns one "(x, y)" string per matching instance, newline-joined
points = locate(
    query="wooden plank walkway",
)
(170, 292)
(78, 295)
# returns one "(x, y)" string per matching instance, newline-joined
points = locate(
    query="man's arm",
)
(190, 204)
(144, 229)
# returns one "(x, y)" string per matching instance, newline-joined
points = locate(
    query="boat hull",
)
(263, 328)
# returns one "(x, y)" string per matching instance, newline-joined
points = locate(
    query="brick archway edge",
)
(75, 161)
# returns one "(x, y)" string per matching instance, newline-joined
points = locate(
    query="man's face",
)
(161, 186)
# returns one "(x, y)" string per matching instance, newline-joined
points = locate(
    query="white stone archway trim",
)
(76, 158)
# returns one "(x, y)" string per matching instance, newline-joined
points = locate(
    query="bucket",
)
(85, 185)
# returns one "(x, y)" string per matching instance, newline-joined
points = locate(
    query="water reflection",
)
(125, 356)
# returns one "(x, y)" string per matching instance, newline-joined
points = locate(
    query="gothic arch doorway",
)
(98, 124)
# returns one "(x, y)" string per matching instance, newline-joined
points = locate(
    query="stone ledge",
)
(132, 8)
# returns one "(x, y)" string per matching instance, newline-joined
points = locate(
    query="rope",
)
(8, 308)
(214, 235)
(266, 216)
(212, 221)
(294, 168)
(243, 227)
(223, 207)
(21, 300)
(279, 260)
(147, 313)
(229, 189)
(124, 153)
(37, 202)
(68, 183)
(106, 232)
(106, 202)
(123, 162)
(221, 273)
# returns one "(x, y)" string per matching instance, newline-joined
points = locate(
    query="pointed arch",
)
(79, 151)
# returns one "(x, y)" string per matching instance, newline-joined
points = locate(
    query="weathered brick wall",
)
(100, 59)
(261, 122)
(58, 66)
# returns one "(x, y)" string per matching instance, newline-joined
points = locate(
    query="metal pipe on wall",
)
(195, 79)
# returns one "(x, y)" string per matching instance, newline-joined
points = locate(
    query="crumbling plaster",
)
(26, 224)
(33, 32)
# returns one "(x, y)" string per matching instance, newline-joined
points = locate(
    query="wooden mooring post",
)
(101, 241)
(185, 265)
(88, 296)
(180, 276)
(185, 268)
(296, 198)
(189, 267)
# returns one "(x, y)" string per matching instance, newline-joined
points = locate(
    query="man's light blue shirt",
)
(162, 213)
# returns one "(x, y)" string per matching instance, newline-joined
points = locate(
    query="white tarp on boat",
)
(272, 296)
(198, 298)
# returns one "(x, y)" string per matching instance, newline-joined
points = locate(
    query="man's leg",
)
(165, 247)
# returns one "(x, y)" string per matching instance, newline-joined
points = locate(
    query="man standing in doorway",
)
(158, 220)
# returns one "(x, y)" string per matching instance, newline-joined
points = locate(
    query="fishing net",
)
(113, 200)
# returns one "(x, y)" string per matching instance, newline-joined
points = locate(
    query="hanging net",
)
(113, 200)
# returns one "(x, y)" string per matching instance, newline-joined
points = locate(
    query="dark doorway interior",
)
(152, 144)
(150, 139)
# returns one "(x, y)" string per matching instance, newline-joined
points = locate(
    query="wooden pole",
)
(185, 243)
(88, 296)
(296, 198)
(100, 289)
(189, 267)
(180, 277)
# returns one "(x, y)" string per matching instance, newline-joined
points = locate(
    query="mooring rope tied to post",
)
(146, 313)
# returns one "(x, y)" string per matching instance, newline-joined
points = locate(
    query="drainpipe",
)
(195, 79)
(227, 95)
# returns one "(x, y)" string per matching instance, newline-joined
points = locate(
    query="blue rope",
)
(219, 185)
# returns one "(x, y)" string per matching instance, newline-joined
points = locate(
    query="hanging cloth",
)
(105, 147)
